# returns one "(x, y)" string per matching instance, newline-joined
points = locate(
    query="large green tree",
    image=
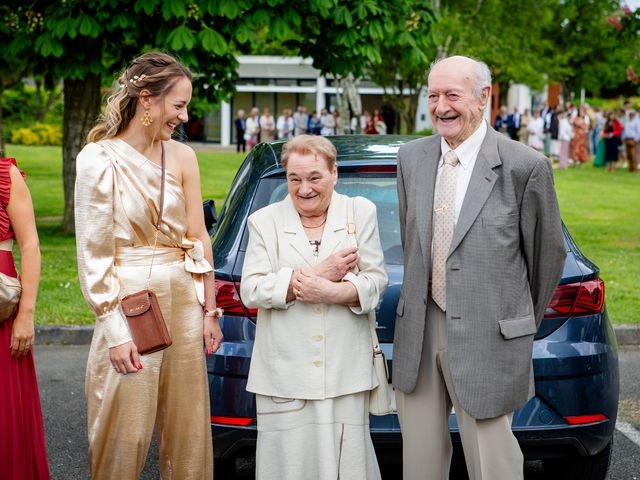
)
(584, 49)
(405, 58)
(506, 34)
(84, 42)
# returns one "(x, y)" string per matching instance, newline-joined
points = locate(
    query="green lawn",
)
(601, 211)
(60, 300)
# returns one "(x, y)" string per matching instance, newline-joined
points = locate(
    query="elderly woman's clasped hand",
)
(336, 266)
(321, 284)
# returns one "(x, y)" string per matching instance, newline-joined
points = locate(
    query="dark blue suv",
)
(568, 425)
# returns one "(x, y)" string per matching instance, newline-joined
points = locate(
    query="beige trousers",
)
(170, 393)
(490, 449)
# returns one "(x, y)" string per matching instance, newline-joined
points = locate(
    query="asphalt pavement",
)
(61, 379)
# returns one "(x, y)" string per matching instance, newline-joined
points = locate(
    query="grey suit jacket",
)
(506, 258)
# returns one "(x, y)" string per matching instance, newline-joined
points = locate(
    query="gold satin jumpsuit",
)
(116, 205)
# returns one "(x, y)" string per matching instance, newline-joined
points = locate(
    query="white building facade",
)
(285, 82)
(278, 83)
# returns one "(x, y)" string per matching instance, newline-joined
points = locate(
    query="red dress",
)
(23, 454)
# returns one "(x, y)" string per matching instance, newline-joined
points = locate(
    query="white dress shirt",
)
(467, 152)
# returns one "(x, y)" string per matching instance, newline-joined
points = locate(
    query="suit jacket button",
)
(318, 338)
(318, 363)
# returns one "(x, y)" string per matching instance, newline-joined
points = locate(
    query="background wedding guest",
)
(267, 126)
(23, 453)
(523, 132)
(240, 124)
(536, 132)
(513, 124)
(502, 121)
(327, 122)
(378, 123)
(369, 124)
(301, 120)
(285, 125)
(611, 132)
(252, 128)
(338, 121)
(579, 140)
(631, 135)
(565, 133)
(315, 124)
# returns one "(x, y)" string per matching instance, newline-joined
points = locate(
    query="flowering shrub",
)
(38, 134)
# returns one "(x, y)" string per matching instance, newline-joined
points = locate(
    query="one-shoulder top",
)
(117, 197)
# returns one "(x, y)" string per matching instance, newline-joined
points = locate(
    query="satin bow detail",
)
(196, 264)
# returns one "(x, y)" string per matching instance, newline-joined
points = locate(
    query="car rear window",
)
(379, 187)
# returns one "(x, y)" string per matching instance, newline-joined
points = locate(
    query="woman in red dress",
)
(23, 454)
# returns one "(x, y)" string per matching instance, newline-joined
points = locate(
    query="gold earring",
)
(146, 119)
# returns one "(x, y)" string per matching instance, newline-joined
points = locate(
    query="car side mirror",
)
(210, 217)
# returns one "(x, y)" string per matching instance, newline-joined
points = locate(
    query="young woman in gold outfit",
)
(117, 203)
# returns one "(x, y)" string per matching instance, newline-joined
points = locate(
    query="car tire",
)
(593, 467)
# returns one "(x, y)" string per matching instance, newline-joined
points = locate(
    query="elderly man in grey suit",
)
(483, 252)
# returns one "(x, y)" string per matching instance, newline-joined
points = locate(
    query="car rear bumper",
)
(538, 444)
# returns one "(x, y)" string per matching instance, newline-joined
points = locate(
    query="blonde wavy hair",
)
(152, 71)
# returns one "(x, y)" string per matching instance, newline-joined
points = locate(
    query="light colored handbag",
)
(10, 288)
(379, 397)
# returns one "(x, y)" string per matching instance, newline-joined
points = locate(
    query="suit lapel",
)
(293, 230)
(424, 190)
(483, 178)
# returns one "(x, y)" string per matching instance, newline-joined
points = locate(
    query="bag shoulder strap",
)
(160, 209)
(351, 230)
(164, 170)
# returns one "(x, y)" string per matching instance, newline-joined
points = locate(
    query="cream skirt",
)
(315, 439)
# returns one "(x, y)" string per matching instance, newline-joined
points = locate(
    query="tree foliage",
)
(405, 57)
(586, 51)
(536, 41)
(85, 42)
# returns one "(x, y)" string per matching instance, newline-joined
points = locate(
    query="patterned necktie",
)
(443, 223)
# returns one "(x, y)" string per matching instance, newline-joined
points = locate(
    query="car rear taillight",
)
(577, 299)
(582, 419)
(235, 421)
(228, 298)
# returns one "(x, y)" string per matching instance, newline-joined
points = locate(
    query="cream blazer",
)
(302, 350)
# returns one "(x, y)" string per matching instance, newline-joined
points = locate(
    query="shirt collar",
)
(468, 149)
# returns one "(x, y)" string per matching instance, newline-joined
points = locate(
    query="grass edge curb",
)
(626, 334)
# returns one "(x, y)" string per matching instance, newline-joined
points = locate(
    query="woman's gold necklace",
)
(316, 226)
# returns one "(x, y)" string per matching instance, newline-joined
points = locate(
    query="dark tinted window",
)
(380, 188)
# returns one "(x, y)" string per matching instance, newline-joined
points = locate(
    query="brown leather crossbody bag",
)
(146, 323)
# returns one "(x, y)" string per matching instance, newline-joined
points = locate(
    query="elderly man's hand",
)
(336, 266)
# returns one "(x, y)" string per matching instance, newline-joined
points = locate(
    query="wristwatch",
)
(215, 313)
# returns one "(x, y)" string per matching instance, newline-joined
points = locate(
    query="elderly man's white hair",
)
(481, 73)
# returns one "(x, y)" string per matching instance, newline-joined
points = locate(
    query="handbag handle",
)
(351, 230)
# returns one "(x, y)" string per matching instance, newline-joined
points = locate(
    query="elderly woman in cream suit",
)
(312, 367)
